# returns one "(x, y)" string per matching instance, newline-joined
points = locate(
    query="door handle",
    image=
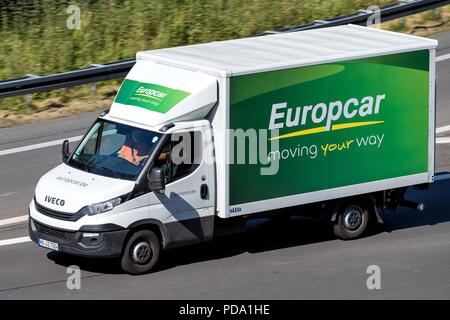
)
(204, 191)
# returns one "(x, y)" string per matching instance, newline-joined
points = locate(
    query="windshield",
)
(115, 150)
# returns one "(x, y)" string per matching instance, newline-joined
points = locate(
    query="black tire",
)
(351, 220)
(143, 245)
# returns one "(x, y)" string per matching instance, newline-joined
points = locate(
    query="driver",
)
(135, 149)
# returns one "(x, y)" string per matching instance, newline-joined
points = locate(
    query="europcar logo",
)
(150, 93)
(149, 96)
(284, 117)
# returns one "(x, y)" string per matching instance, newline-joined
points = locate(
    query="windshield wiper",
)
(88, 163)
(96, 165)
(83, 163)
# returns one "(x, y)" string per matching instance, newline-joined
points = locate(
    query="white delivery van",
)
(199, 138)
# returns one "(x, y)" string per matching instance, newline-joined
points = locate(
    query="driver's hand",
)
(163, 156)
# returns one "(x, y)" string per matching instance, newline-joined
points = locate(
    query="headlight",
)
(101, 207)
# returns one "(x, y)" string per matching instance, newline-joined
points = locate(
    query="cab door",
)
(186, 205)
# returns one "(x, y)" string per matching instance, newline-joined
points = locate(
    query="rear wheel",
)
(351, 220)
(141, 252)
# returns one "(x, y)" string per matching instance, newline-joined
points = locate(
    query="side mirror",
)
(65, 150)
(156, 180)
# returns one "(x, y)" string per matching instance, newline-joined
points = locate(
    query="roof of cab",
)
(287, 50)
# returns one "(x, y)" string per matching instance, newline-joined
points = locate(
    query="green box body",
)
(383, 140)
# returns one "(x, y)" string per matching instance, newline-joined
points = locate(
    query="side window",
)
(186, 153)
(89, 145)
(163, 161)
(181, 155)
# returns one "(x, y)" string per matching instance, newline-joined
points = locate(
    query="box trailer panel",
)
(287, 50)
(331, 126)
(323, 195)
(227, 60)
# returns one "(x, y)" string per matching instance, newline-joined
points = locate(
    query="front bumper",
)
(107, 244)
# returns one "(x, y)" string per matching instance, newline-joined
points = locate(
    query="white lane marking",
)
(6, 194)
(8, 242)
(9, 221)
(38, 145)
(442, 129)
(443, 57)
(443, 140)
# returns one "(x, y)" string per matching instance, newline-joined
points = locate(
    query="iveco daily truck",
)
(335, 122)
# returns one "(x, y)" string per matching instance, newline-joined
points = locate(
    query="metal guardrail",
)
(118, 69)
(95, 73)
(387, 12)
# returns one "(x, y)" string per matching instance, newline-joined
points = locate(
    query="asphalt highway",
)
(291, 259)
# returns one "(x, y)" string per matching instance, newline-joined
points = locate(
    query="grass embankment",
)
(422, 24)
(34, 38)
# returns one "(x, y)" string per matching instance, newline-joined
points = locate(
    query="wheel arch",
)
(367, 199)
(153, 225)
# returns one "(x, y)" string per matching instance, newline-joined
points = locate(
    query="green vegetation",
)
(423, 23)
(34, 37)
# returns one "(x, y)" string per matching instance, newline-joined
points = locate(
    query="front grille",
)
(55, 233)
(57, 214)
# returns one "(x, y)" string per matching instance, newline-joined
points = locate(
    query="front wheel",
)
(141, 252)
(351, 221)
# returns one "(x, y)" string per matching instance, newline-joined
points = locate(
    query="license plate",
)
(48, 244)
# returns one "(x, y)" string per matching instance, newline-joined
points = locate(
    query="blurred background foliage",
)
(34, 37)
